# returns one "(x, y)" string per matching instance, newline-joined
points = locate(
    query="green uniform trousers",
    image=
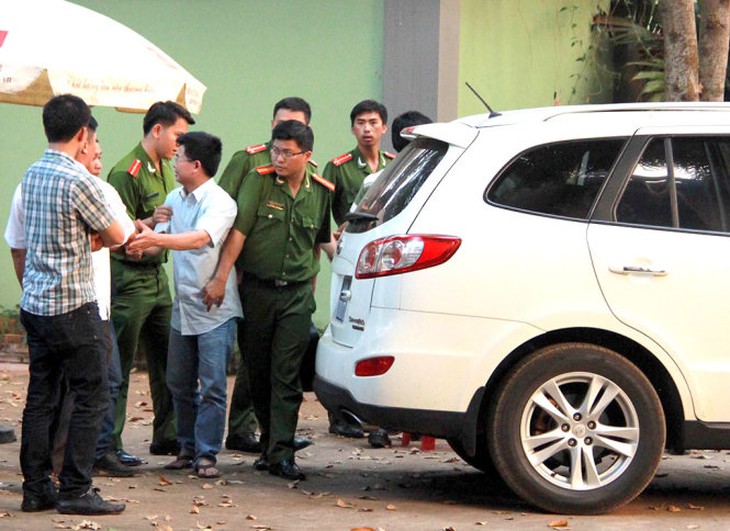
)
(241, 416)
(275, 336)
(141, 311)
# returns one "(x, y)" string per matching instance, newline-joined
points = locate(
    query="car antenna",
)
(492, 113)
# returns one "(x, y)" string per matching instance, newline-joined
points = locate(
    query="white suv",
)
(547, 290)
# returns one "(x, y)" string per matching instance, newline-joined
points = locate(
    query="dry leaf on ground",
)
(344, 504)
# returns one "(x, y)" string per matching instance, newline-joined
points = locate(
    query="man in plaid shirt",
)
(63, 206)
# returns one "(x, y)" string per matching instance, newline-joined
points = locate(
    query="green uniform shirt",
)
(142, 189)
(282, 231)
(243, 162)
(347, 172)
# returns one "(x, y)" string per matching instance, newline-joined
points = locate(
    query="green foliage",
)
(652, 74)
(10, 321)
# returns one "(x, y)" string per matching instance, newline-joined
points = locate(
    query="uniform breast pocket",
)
(307, 224)
(269, 215)
(149, 204)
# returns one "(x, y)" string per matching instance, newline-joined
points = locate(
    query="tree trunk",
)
(680, 51)
(713, 48)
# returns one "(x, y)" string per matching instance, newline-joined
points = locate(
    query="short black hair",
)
(165, 113)
(294, 104)
(407, 119)
(293, 130)
(63, 116)
(369, 106)
(203, 147)
(93, 124)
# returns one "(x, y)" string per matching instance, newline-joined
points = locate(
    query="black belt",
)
(141, 265)
(273, 282)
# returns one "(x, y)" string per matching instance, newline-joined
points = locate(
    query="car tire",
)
(481, 459)
(576, 428)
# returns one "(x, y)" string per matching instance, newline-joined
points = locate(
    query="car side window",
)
(680, 182)
(560, 179)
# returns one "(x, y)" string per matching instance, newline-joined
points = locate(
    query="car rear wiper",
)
(360, 216)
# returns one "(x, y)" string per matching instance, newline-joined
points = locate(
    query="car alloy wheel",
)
(576, 428)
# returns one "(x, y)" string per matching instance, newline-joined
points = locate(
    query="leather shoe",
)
(89, 503)
(243, 442)
(300, 443)
(262, 463)
(171, 447)
(109, 465)
(344, 429)
(287, 469)
(128, 459)
(35, 503)
(379, 438)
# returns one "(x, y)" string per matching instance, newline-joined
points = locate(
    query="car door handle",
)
(646, 270)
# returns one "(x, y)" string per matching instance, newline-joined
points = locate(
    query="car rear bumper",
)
(442, 424)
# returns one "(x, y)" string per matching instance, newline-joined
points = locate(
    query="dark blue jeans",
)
(67, 344)
(114, 375)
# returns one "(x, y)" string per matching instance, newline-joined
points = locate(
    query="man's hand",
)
(162, 214)
(213, 293)
(96, 242)
(144, 239)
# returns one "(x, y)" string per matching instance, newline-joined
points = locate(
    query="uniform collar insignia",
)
(361, 163)
(150, 167)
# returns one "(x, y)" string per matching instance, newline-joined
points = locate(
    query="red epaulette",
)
(134, 168)
(389, 155)
(339, 161)
(324, 182)
(265, 170)
(313, 163)
(252, 150)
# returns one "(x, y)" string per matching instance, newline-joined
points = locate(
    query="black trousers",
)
(69, 344)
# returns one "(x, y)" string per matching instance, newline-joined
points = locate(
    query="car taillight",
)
(401, 254)
(374, 366)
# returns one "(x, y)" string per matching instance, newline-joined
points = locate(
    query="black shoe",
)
(171, 447)
(7, 435)
(243, 442)
(34, 503)
(344, 429)
(128, 459)
(379, 438)
(300, 443)
(287, 469)
(89, 503)
(262, 463)
(109, 465)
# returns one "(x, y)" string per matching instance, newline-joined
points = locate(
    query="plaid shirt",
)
(62, 204)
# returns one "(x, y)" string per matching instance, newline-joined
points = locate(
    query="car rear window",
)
(561, 179)
(396, 186)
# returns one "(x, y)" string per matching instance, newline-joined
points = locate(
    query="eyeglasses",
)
(183, 159)
(285, 154)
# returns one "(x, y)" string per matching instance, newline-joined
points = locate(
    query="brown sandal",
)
(206, 469)
(181, 461)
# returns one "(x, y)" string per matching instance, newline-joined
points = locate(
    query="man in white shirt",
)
(90, 158)
(201, 340)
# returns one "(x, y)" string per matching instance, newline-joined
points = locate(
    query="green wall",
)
(518, 53)
(249, 53)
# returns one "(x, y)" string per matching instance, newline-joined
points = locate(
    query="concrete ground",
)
(349, 486)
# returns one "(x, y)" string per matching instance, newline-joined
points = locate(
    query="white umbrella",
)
(51, 47)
